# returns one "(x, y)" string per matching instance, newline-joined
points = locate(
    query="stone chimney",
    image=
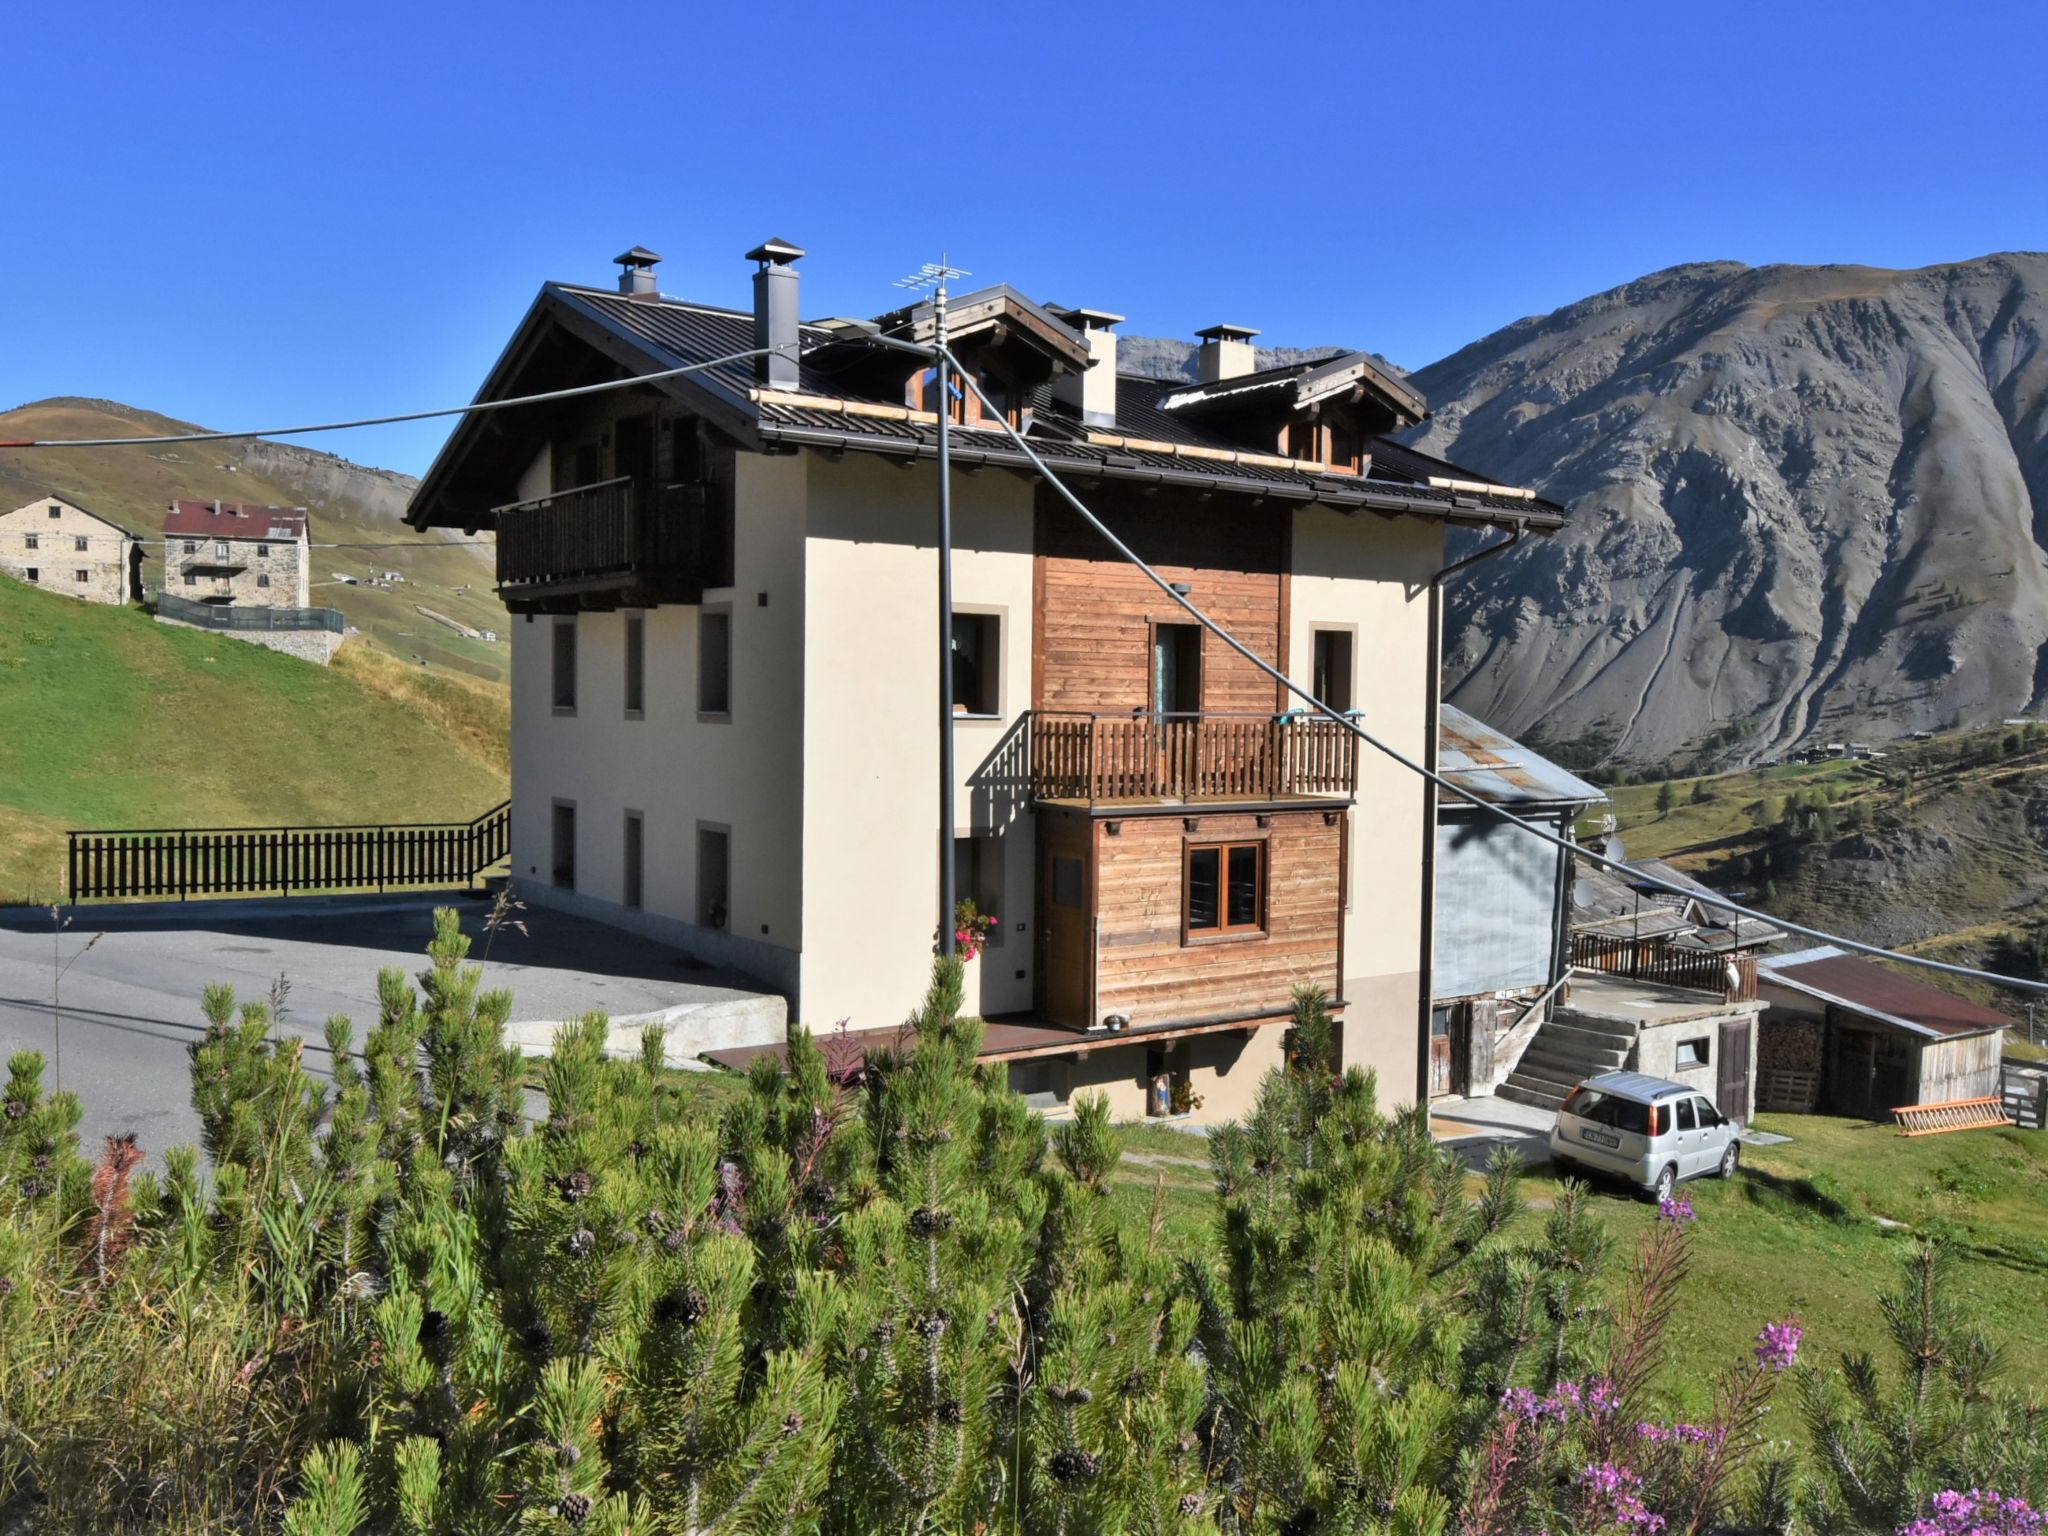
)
(775, 314)
(636, 272)
(1092, 391)
(1226, 353)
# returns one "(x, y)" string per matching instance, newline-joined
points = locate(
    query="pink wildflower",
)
(1778, 1345)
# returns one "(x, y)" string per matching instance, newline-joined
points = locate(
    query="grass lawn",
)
(109, 719)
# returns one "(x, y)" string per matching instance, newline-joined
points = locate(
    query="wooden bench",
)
(1956, 1115)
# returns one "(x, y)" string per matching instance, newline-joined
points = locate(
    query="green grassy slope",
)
(110, 719)
(347, 504)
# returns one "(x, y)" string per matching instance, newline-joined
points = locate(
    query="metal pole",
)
(947, 896)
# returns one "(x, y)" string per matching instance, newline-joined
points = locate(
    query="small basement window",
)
(1693, 1053)
(1225, 889)
(191, 578)
(977, 659)
(33, 576)
(564, 679)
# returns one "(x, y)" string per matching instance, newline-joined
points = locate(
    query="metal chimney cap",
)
(775, 252)
(639, 256)
(1227, 333)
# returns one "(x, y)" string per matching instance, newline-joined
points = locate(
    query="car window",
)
(1709, 1116)
(1604, 1109)
(1687, 1121)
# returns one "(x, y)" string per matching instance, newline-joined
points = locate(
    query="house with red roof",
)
(230, 553)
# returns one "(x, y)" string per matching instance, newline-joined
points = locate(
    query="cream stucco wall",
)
(1370, 575)
(32, 540)
(1224, 1072)
(870, 799)
(676, 768)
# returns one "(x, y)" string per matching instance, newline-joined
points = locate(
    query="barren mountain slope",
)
(1810, 501)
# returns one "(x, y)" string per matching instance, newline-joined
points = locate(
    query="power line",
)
(2013, 983)
(385, 421)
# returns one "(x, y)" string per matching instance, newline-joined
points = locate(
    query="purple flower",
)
(1612, 1491)
(1978, 1512)
(1675, 1210)
(1778, 1345)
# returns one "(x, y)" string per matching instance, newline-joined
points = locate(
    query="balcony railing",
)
(1189, 757)
(1698, 970)
(616, 533)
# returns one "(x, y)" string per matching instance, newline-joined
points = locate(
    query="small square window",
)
(191, 578)
(564, 679)
(191, 546)
(81, 543)
(714, 662)
(34, 540)
(263, 551)
(55, 510)
(1693, 1053)
(81, 575)
(977, 663)
(1225, 889)
(263, 578)
(33, 576)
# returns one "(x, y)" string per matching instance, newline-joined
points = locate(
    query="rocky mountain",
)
(1810, 503)
(1168, 357)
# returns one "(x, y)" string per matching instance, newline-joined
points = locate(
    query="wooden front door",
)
(1063, 934)
(1733, 1098)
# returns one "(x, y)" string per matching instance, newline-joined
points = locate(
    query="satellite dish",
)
(1582, 894)
(1614, 850)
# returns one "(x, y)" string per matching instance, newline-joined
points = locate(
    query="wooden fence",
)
(265, 861)
(1733, 977)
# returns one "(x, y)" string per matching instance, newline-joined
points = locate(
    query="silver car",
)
(1648, 1130)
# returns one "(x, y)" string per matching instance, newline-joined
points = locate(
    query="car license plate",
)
(1600, 1138)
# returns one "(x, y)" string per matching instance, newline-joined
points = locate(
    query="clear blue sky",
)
(245, 215)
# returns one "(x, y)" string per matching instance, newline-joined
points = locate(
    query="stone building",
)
(237, 554)
(54, 543)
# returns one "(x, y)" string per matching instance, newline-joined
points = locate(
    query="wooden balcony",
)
(1138, 758)
(619, 543)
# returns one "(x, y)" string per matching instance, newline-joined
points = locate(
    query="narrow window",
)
(564, 851)
(631, 862)
(1225, 887)
(220, 551)
(714, 871)
(977, 661)
(81, 543)
(714, 662)
(1332, 681)
(978, 877)
(1177, 669)
(636, 666)
(263, 578)
(565, 666)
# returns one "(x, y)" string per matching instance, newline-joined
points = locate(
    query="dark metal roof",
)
(1828, 974)
(1500, 770)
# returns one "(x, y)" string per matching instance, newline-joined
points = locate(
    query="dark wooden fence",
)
(1189, 757)
(265, 861)
(1654, 960)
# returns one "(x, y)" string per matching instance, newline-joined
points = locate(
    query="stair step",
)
(1564, 1027)
(1535, 1098)
(1567, 1058)
(1549, 1079)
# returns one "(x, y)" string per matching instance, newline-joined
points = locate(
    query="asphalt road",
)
(130, 1004)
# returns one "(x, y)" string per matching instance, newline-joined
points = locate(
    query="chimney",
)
(1092, 392)
(636, 272)
(775, 321)
(1226, 353)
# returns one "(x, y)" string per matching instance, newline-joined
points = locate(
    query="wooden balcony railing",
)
(1189, 757)
(617, 532)
(1732, 976)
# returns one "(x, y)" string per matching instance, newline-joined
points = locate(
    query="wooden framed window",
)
(1223, 889)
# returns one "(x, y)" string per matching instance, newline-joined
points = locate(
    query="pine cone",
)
(580, 1244)
(1190, 1505)
(1070, 1394)
(575, 1186)
(950, 1412)
(6, 1287)
(792, 1426)
(1071, 1466)
(928, 1222)
(574, 1508)
(682, 1307)
(16, 1109)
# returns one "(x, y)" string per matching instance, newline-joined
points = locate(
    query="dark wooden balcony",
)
(619, 543)
(1220, 759)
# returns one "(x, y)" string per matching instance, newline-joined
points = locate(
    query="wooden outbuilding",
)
(1846, 1036)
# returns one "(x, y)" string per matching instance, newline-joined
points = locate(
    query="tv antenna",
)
(934, 275)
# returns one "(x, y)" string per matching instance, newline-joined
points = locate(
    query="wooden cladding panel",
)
(1143, 968)
(1096, 612)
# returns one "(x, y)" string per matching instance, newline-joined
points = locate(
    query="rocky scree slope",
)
(1810, 502)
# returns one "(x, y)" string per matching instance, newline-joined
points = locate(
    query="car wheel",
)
(1667, 1181)
(1731, 1159)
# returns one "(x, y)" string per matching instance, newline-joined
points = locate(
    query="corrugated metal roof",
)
(1829, 974)
(1501, 771)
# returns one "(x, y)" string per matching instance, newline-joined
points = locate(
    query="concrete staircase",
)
(1568, 1049)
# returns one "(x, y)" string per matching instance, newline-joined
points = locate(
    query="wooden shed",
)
(1869, 1040)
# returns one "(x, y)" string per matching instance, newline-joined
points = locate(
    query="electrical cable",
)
(385, 421)
(1577, 850)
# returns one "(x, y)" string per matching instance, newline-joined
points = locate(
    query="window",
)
(714, 662)
(191, 546)
(1224, 889)
(1332, 680)
(191, 578)
(978, 877)
(1709, 1115)
(1177, 669)
(714, 876)
(564, 850)
(220, 550)
(33, 575)
(631, 864)
(636, 666)
(81, 575)
(1693, 1053)
(1688, 1118)
(1603, 1109)
(565, 666)
(263, 578)
(263, 551)
(81, 543)
(55, 510)
(977, 657)
(34, 540)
